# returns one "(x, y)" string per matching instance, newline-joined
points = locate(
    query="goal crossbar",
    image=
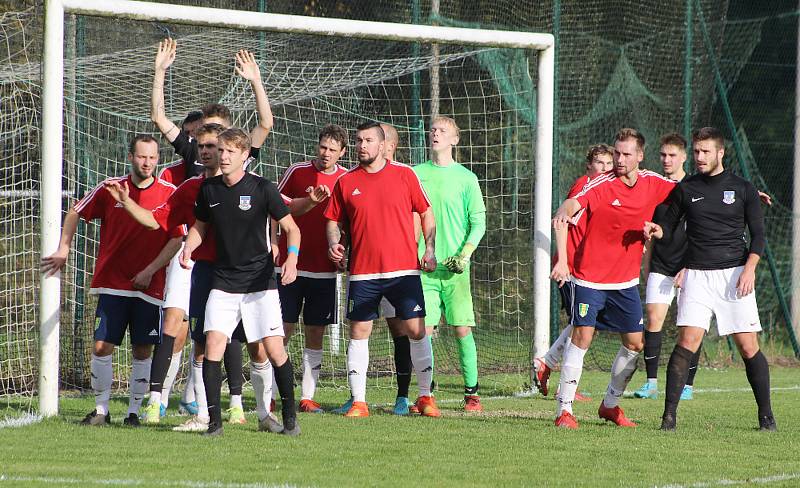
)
(53, 111)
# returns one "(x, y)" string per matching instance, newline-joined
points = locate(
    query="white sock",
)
(236, 401)
(199, 389)
(172, 373)
(622, 370)
(422, 360)
(102, 377)
(553, 355)
(312, 362)
(155, 397)
(357, 364)
(653, 382)
(139, 384)
(274, 391)
(261, 378)
(188, 389)
(571, 369)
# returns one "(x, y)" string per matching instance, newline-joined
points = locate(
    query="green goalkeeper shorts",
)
(449, 294)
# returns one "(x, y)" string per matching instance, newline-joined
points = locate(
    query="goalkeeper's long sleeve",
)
(477, 228)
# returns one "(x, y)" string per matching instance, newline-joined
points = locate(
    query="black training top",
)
(186, 148)
(667, 258)
(240, 217)
(717, 209)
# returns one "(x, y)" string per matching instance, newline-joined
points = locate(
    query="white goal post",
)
(52, 137)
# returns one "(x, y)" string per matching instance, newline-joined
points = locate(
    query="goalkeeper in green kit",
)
(460, 224)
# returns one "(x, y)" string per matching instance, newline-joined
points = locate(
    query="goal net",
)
(311, 81)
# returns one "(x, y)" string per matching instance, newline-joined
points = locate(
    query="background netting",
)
(621, 63)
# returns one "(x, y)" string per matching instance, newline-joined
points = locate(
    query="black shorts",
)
(115, 314)
(403, 292)
(316, 297)
(202, 279)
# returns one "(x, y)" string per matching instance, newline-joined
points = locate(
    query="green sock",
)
(468, 357)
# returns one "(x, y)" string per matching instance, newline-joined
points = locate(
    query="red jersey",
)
(178, 211)
(577, 225)
(610, 254)
(377, 209)
(298, 180)
(126, 247)
(175, 173)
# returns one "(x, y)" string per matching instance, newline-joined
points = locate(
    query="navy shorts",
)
(115, 314)
(403, 292)
(610, 310)
(316, 297)
(202, 279)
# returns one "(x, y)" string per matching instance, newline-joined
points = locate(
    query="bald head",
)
(391, 141)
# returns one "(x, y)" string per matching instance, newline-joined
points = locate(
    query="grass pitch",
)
(514, 443)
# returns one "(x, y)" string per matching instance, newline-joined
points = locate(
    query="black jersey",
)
(667, 256)
(186, 148)
(240, 217)
(717, 209)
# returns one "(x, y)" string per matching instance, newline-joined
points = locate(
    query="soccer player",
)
(372, 201)
(606, 270)
(720, 270)
(314, 290)
(128, 276)
(457, 204)
(599, 160)
(239, 205)
(662, 262)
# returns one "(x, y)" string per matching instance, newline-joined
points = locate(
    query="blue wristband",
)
(293, 249)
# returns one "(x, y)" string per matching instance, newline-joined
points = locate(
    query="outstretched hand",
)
(246, 66)
(119, 191)
(319, 194)
(166, 54)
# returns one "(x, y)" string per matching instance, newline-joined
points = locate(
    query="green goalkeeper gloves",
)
(457, 264)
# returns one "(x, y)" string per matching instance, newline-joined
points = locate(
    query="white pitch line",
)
(4, 478)
(22, 421)
(726, 482)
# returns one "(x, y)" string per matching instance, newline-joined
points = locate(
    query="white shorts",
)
(660, 289)
(386, 309)
(178, 283)
(713, 292)
(260, 313)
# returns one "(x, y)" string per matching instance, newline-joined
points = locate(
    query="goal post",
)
(52, 137)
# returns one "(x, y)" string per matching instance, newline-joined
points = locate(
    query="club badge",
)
(583, 309)
(728, 197)
(244, 202)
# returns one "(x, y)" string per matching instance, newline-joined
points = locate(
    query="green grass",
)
(513, 444)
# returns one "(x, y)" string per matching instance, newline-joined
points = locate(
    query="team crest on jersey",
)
(728, 197)
(244, 202)
(583, 309)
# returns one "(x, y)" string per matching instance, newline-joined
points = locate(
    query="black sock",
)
(162, 356)
(757, 370)
(233, 367)
(652, 352)
(212, 377)
(402, 364)
(284, 377)
(677, 371)
(693, 366)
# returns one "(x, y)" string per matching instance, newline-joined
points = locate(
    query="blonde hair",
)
(235, 137)
(448, 120)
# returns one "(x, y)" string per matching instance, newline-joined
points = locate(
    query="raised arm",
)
(158, 114)
(55, 262)
(664, 228)
(300, 206)
(247, 68)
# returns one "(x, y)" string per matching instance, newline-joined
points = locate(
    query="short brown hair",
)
(371, 124)
(235, 137)
(217, 110)
(673, 139)
(140, 138)
(628, 133)
(709, 133)
(335, 132)
(204, 129)
(597, 150)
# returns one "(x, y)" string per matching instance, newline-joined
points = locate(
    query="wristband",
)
(293, 249)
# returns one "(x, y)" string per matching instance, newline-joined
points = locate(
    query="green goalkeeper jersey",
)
(457, 206)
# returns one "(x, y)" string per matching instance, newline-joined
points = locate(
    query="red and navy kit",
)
(298, 180)
(377, 209)
(610, 254)
(126, 247)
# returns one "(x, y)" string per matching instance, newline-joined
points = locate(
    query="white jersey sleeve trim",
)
(90, 196)
(311, 274)
(126, 293)
(381, 276)
(606, 286)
